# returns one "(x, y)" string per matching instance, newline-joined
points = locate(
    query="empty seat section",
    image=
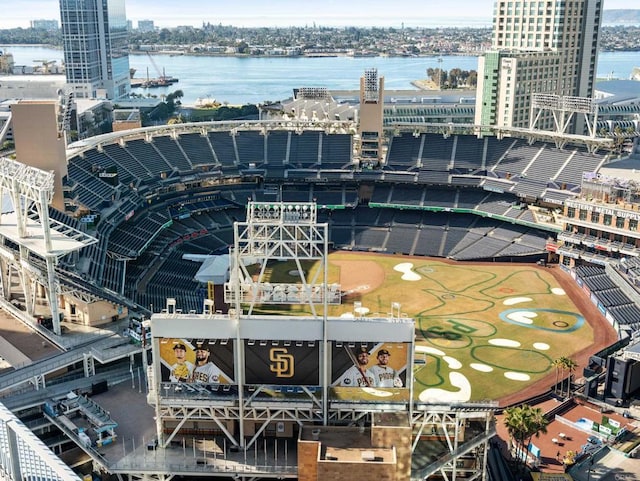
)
(277, 146)
(250, 146)
(403, 152)
(197, 149)
(172, 152)
(336, 151)
(222, 143)
(469, 151)
(303, 152)
(148, 156)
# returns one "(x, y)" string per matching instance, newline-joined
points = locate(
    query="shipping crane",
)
(162, 80)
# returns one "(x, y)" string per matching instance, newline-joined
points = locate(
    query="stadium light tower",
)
(279, 231)
(37, 236)
(563, 110)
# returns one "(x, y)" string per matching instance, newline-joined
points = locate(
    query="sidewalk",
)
(612, 466)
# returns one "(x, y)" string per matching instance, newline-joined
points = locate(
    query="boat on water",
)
(162, 81)
(159, 82)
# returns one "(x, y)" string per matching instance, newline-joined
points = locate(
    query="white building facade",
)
(538, 47)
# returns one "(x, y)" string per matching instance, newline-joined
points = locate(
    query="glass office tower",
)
(539, 46)
(94, 35)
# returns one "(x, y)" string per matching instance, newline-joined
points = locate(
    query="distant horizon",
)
(285, 13)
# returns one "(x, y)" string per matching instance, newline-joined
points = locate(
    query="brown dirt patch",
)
(355, 275)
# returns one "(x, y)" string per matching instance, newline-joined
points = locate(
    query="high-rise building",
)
(146, 25)
(539, 46)
(6, 62)
(49, 25)
(94, 35)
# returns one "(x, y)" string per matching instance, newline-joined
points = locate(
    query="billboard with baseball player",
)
(282, 363)
(206, 361)
(369, 367)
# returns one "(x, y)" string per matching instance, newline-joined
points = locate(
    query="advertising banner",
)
(207, 361)
(281, 363)
(369, 369)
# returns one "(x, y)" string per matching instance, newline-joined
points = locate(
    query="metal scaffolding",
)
(30, 241)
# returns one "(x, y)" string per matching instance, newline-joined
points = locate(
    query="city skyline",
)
(283, 13)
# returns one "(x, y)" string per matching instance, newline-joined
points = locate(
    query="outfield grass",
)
(482, 331)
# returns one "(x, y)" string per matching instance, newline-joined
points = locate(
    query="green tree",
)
(523, 423)
(558, 363)
(570, 365)
(243, 47)
(176, 120)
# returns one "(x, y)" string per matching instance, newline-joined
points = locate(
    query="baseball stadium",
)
(282, 250)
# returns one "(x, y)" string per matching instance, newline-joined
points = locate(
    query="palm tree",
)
(562, 364)
(514, 422)
(557, 363)
(523, 423)
(570, 365)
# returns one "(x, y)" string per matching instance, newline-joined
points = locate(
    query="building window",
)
(595, 217)
(620, 222)
(571, 212)
(633, 224)
(608, 218)
(583, 214)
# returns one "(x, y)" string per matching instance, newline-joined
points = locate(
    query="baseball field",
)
(483, 330)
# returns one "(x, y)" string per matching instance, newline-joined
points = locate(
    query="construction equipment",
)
(46, 64)
(162, 80)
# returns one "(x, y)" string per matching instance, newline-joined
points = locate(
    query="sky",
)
(283, 13)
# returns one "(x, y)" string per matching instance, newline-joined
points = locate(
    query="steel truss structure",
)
(560, 139)
(564, 110)
(39, 240)
(276, 232)
(466, 430)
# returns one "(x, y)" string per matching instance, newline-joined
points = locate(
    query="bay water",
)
(240, 80)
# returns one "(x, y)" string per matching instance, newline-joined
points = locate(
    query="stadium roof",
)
(61, 243)
(628, 168)
(616, 91)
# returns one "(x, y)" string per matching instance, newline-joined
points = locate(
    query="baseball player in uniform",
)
(358, 375)
(205, 371)
(182, 369)
(383, 374)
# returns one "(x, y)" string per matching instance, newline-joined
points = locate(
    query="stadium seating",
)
(160, 195)
(624, 311)
(173, 153)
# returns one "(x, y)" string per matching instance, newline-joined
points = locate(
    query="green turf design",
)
(456, 308)
(510, 359)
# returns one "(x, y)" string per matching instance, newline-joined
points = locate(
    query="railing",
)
(162, 462)
(69, 383)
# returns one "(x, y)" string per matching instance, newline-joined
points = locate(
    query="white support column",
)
(39, 382)
(52, 291)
